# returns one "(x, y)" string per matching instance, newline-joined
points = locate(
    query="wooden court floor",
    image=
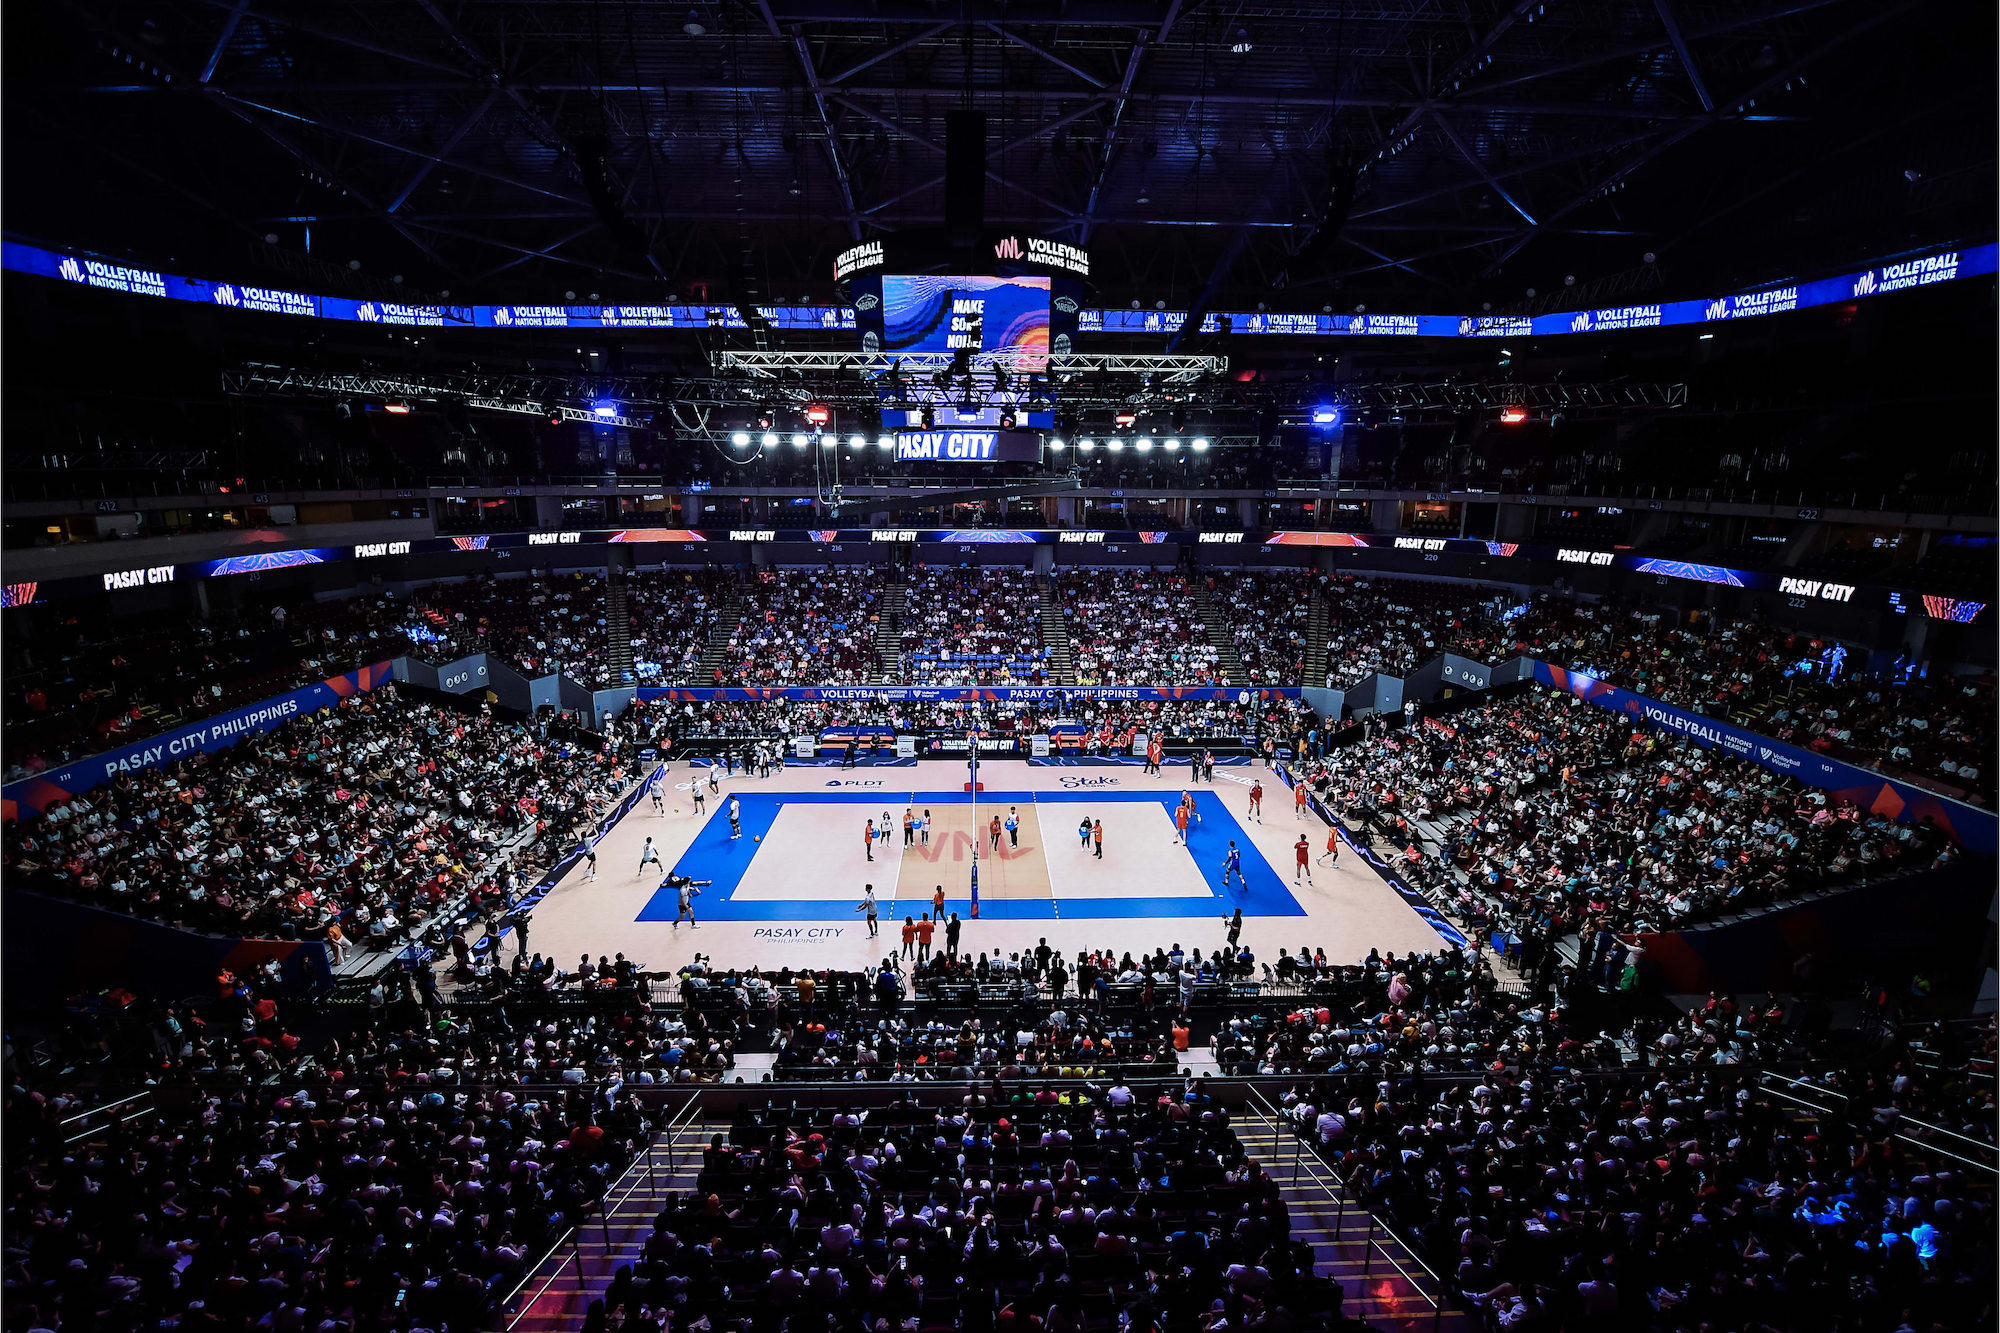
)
(784, 893)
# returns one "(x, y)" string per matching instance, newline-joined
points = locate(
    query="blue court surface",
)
(715, 856)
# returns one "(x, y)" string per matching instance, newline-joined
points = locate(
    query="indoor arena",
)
(1073, 666)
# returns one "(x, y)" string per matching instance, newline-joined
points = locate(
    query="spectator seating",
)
(972, 626)
(1791, 685)
(1135, 627)
(1546, 815)
(672, 612)
(1267, 611)
(1391, 626)
(365, 815)
(803, 626)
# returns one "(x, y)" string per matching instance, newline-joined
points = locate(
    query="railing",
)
(1922, 1140)
(134, 1107)
(1327, 1182)
(573, 1236)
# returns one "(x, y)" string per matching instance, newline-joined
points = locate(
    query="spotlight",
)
(396, 407)
(1007, 419)
(552, 413)
(853, 442)
(1125, 417)
(604, 411)
(1326, 414)
(818, 414)
(1085, 447)
(1056, 446)
(800, 441)
(1115, 446)
(768, 440)
(1172, 443)
(1200, 445)
(1513, 416)
(928, 417)
(765, 418)
(741, 439)
(885, 444)
(1145, 445)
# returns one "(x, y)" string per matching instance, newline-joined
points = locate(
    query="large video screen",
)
(924, 313)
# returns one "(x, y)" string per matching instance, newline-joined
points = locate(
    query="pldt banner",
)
(971, 694)
(27, 798)
(1975, 829)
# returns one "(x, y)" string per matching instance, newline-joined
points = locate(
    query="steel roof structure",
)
(1407, 154)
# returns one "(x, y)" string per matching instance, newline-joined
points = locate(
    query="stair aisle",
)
(715, 653)
(1055, 636)
(1382, 1283)
(1219, 636)
(1319, 629)
(889, 635)
(618, 624)
(554, 1297)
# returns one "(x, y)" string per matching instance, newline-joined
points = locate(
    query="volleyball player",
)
(1232, 864)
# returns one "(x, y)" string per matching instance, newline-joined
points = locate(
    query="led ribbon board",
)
(1901, 275)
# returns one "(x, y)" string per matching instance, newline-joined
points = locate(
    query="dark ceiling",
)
(522, 149)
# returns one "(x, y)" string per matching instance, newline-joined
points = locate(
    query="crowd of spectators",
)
(80, 685)
(399, 1175)
(672, 613)
(1549, 815)
(1056, 1043)
(1680, 1197)
(539, 623)
(1392, 626)
(1028, 1208)
(1268, 612)
(1090, 725)
(1136, 627)
(356, 819)
(409, 1166)
(975, 625)
(806, 626)
(1797, 687)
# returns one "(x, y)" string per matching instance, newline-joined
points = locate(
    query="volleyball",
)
(756, 837)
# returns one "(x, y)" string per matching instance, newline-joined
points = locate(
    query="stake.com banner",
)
(1974, 829)
(30, 796)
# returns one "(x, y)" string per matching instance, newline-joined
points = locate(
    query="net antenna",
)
(972, 791)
